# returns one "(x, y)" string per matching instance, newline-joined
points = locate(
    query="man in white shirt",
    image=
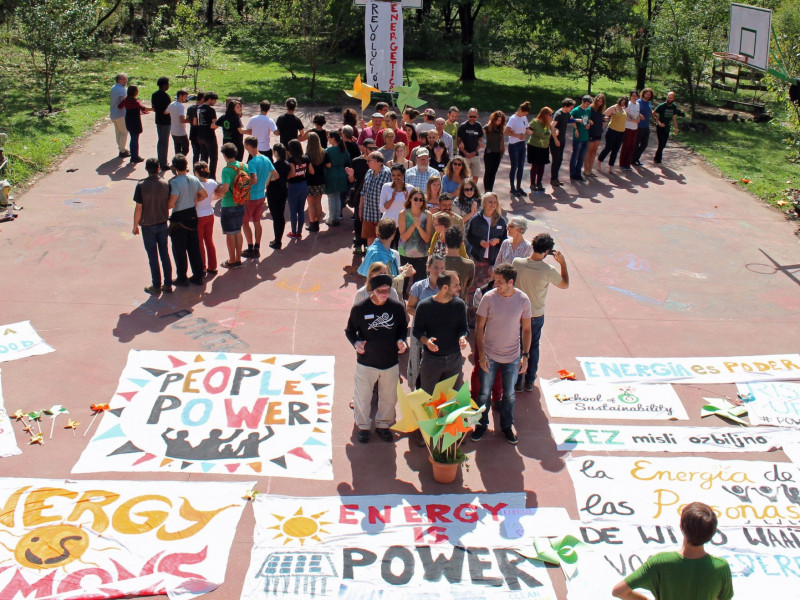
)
(117, 114)
(261, 127)
(178, 121)
(444, 136)
(428, 124)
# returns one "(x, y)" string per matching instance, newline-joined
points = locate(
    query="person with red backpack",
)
(235, 192)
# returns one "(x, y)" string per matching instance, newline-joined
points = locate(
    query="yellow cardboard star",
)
(361, 92)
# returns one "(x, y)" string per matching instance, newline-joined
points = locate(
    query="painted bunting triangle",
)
(199, 358)
(301, 453)
(313, 442)
(127, 395)
(280, 461)
(294, 365)
(308, 376)
(322, 421)
(145, 458)
(318, 430)
(269, 361)
(319, 386)
(232, 468)
(117, 411)
(186, 463)
(221, 356)
(115, 431)
(126, 448)
(140, 382)
(256, 466)
(246, 357)
(206, 466)
(155, 372)
(166, 461)
(176, 362)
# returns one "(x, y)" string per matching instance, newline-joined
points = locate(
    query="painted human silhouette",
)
(207, 449)
(248, 448)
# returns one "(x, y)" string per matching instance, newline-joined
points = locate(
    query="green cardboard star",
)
(556, 551)
(724, 409)
(408, 95)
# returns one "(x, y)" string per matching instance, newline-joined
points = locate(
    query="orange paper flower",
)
(564, 374)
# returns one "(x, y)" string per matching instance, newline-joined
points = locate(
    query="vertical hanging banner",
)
(8, 444)
(209, 412)
(111, 539)
(414, 547)
(383, 38)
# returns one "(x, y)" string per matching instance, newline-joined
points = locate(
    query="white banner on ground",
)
(654, 490)
(774, 403)
(62, 539)
(412, 547)
(646, 438)
(383, 38)
(8, 443)
(763, 560)
(730, 369)
(209, 412)
(19, 340)
(582, 400)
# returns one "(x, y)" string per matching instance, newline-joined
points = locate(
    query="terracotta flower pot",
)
(444, 472)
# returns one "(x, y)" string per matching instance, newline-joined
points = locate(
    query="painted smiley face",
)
(51, 546)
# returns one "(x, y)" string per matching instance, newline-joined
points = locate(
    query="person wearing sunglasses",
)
(466, 201)
(455, 173)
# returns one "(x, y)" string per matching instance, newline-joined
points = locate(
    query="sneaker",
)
(529, 386)
(183, 282)
(555, 183)
(295, 235)
(275, 245)
(211, 271)
(638, 163)
(540, 188)
(198, 280)
(248, 253)
(363, 435)
(166, 288)
(511, 437)
(137, 159)
(236, 265)
(518, 385)
(626, 168)
(124, 154)
(384, 434)
(477, 434)
(153, 289)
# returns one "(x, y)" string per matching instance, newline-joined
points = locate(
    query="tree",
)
(685, 35)
(55, 32)
(786, 23)
(192, 38)
(645, 14)
(467, 14)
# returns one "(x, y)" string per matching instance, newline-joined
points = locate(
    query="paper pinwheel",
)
(251, 495)
(19, 415)
(362, 92)
(72, 425)
(557, 551)
(36, 439)
(408, 95)
(97, 408)
(36, 416)
(564, 374)
(53, 412)
(725, 409)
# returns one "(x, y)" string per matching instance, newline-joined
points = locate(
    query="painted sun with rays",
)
(300, 527)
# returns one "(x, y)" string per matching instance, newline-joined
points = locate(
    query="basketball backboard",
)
(406, 3)
(749, 35)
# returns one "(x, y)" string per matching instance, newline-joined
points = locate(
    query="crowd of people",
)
(436, 251)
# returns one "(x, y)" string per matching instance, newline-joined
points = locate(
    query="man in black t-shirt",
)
(560, 121)
(377, 329)
(191, 116)
(290, 127)
(664, 114)
(206, 122)
(441, 327)
(160, 100)
(470, 141)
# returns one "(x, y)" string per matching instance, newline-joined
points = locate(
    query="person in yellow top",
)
(615, 132)
(539, 146)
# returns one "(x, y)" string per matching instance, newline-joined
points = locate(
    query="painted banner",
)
(730, 369)
(581, 400)
(19, 340)
(383, 38)
(412, 547)
(646, 490)
(62, 539)
(640, 438)
(774, 403)
(764, 561)
(251, 414)
(8, 443)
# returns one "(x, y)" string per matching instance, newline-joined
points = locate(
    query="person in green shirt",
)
(580, 140)
(231, 214)
(688, 574)
(662, 115)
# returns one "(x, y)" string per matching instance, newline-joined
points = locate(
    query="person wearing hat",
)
(377, 328)
(429, 123)
(371, 131)
(418, 175)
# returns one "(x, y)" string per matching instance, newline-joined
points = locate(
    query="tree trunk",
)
(467, 21)
(210, 13)
(641, 69)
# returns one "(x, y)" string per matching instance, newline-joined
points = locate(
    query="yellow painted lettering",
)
(200, 518)
(36, 504)
(274, 414)
(290, 389)
(93, 501)
(189, 380)
(123, 523)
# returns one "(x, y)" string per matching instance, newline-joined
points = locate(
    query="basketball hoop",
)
(732, 56)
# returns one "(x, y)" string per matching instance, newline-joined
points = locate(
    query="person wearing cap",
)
(370, 207)
(418, 175)
(429, 123)
(371, 131)
(377, 328)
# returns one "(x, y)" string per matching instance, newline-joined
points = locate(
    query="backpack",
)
(240, 188)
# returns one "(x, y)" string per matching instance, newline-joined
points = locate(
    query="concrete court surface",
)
(664, 261)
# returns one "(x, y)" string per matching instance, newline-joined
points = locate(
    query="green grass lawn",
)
(752, 151)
